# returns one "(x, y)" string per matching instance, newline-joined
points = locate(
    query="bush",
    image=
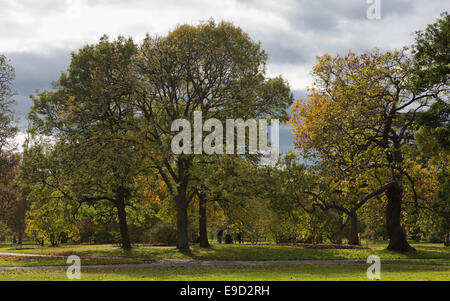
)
(435, 238)
(105, 234)
(86, 227)
(163, 233)
(4, 231)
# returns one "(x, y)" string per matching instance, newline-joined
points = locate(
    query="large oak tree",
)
(213, 68)
(360, 110)
(89, 117)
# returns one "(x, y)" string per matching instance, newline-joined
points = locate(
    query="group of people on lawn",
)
(228, 237)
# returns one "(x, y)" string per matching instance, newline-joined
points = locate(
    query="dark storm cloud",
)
(286, 139)
(21, 107)
(35, 70)
(286, 136)
(283, 47)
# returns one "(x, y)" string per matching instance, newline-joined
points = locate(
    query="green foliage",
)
(99, 157)
(86, 229)
(433, 133)
(432, 54)
(441, 204)
(90, 119)
(432, 60)
(48, 221)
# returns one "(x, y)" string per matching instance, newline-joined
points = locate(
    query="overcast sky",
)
(38, 36)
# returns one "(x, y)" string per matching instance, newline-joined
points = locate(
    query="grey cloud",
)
(286, 137)
(21, 107)
(44, 6)
(8, 28)
(324, 15)
(35, 70)
(315, 27)
(283, 47)
(113, 2)
(299, 94)
(15, 27)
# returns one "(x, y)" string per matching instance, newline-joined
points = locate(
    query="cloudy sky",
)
(38, 36)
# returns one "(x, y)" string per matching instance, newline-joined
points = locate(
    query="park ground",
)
(429, 262)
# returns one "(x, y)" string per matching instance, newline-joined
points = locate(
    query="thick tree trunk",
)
(182, 225)
(20, 237)
(397, 237)
(182, 202)
(353, 232)
(340, 234)
(447, 238)
(126, 243)
(202, 222)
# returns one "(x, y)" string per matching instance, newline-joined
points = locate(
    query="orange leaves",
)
(346, 104)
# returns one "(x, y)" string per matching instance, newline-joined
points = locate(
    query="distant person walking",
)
(219, 236)
(239, 237)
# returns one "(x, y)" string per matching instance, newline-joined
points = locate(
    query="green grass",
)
(242, 252)
(392, 268)
(236, 273)
(14, 261)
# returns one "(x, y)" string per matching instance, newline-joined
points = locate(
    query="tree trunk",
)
(397, 237)
(182, 202)
(353, 232)
(182, 219)
(20, 237)
(341, 232)
(202, 222)
(126, 243)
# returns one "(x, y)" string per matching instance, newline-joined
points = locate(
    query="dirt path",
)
(29, 255)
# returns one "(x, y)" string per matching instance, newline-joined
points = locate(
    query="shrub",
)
(163, 233)
(4, 231)
(435, 238)
(86, 228)
(104, 234)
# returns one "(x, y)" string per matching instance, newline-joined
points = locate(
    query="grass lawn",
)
(13, 261)
(391, 269)
(437, 252)
(236, 273)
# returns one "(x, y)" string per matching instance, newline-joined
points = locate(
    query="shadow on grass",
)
(270, 272)
(242, 252)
